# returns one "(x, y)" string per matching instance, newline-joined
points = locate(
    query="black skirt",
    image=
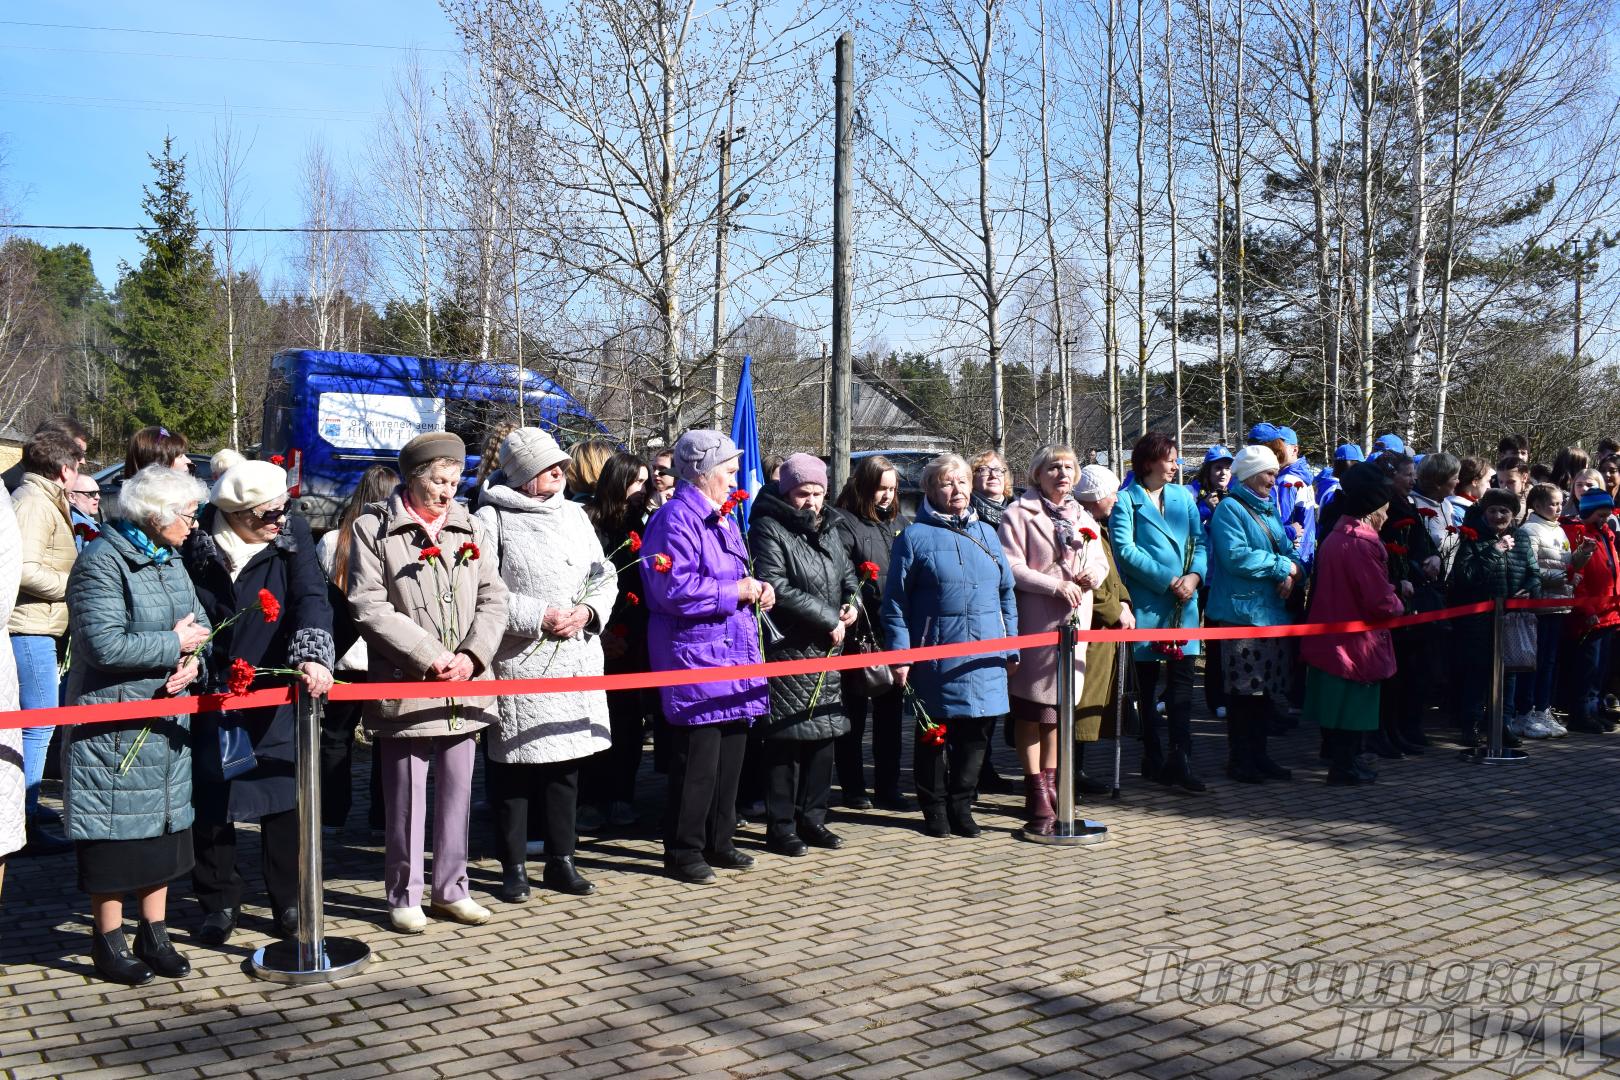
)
(115, 867)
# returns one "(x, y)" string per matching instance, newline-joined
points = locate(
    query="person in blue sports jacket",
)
(1327, 481)
(1158, 543)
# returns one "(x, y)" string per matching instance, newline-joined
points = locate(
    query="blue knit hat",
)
(1596, 499)
(1263, 433)
(1349, 452)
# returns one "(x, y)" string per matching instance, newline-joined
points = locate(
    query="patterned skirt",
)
(1255, 667)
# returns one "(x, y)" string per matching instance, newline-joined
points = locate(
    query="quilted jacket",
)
(124, 605)
(48, 552)
(802, 556)
(949, 582)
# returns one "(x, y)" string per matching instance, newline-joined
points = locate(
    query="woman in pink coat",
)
(1352, 582)
(1057, 558)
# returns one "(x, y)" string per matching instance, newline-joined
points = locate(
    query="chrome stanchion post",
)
(311, 957)
(1493, 752)
(1068, 831)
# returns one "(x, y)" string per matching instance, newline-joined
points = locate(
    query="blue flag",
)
(745, 433)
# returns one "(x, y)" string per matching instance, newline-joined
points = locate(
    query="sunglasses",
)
(660, 470)
(269, 516)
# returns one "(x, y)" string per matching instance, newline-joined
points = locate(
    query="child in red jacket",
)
(1589, 630)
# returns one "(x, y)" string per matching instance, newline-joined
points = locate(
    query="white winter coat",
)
(549, 557)
(11, 771)
(1550, 546)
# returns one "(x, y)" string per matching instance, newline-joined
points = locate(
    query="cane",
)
(1120, 654)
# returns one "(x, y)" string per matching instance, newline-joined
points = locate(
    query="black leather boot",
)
(1178, 771)
(1083, 784)
(153, 946)
(110, 953)
(561, 876)
(1259, 760)
(1342, 750)
(217, 927)
(514, 884)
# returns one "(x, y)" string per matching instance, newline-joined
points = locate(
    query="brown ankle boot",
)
(1038, 807)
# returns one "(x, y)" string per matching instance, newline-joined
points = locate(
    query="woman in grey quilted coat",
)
(797, 550)
(137, 628)
(561, 589)
(11, 774)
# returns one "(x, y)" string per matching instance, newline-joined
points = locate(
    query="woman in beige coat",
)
(1057, 558)
(430, 608)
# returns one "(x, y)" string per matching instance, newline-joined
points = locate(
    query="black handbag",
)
(875, 679)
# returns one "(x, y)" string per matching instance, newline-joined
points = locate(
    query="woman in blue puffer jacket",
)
(1253, 570)
(949, 582)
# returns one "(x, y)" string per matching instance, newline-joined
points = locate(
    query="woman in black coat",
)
(245, 545)
(867, 522)
(798, 552)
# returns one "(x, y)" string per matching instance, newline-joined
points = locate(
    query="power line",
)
(224, 37)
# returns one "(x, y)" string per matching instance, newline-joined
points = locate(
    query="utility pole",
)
(826, 403)
(843, 230)
(721, 215)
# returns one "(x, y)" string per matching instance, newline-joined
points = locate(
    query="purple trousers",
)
(405, 771)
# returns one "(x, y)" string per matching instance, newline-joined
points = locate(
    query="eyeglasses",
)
(94, 495)
(268, 516)
(986, 470)
(189, 519)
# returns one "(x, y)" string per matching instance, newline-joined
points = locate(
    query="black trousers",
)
(1178, 701)
(705, 763)
(514, 792)
(798, 785)
(215, 877)
(337, 764)
(885, 710)
(948, 779)
(610, 776)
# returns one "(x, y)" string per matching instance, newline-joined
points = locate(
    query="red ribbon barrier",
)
(399, 691)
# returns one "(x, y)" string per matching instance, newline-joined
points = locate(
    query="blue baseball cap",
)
(1288, 435)
(1264, 433)
(1390, 442)
(1217, 453)
(1349, 452)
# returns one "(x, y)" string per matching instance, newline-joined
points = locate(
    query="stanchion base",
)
(278, 961)
(1083, 833)
(1481, 755)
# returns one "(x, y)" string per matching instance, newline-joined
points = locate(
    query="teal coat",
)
(122, 609)
(1247, 559)
(1152, 550)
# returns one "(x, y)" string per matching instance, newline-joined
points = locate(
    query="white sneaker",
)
(1535, 727)
(534, 847)
(1516, 725)
(1550, 722)
(408, 920)
(466, 910)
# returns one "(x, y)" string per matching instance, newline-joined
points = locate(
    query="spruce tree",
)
(171, 367)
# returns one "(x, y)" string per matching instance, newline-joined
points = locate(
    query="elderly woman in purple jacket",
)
(701, 615)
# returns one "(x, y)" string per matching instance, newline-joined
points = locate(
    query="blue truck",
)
(330, 415)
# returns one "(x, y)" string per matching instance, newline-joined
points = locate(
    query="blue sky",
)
(81, 108)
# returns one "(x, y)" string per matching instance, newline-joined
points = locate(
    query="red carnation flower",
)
(269, 605)
(869, 571)
(241, 677)
(429, 553)
(1396, 549)
(86, 532)
(740, 495)
(1468, 532)
(277, 459)
(467, 552)
(662, 563)
(633, 598)
(1089, 533)
(1428, 512)
(1404, 523)
(635, 541)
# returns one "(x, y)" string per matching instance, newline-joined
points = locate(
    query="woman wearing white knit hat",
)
(247, 545)
(1253, 570)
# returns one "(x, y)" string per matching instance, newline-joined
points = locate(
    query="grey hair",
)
(433, 463)
(1435, 468)
(1048, 454)
(156, 494)
(942, 464)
